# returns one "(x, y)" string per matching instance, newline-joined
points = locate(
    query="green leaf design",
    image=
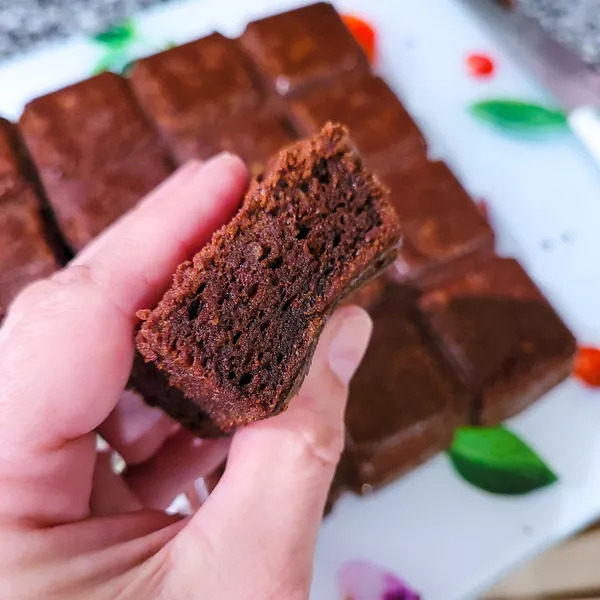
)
(110, 61)
(115, 61)
(497, 461)
(118, 36)
(518, 116)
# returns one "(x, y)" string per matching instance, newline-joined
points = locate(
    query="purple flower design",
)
(361, 580)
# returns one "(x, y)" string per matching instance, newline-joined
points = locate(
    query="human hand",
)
(69, 526)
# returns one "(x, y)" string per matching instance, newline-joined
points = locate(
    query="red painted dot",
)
(364, 34)
(480, 65)
(587, 366)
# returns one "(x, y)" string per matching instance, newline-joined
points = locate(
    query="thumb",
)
(265, 513)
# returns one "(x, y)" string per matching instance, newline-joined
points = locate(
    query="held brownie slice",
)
(154, 387)
(237, 330)
(508, 344)
(405, 402)
(95, 153)
(300, 48)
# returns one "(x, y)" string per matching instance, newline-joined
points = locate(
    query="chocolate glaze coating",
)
(378, 123)
(404, 402)
(95, 153)
(507, 343)
(443, 229)
(298, 49)
(237, 330)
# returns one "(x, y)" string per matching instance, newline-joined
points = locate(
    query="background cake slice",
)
(405, 401)
(189, 90)
(254, 136)
(443, 230)
(507, 342)
(381, 127)
(25, 251)
(95, 153)
(301, 48)
(236, 331)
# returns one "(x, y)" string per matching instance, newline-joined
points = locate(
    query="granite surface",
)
(25, 24)
(576, 23)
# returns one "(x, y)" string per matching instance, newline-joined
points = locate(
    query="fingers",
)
(181, 460)
(110, 495)
(135, 430)
(268, 506)
(66, 346)
(104, 557)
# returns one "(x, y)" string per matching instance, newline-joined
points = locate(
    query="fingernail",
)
(350, 343)
(223, 156)
(223, 159)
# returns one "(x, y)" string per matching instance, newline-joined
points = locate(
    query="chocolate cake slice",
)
(405, 401)
(25, 251)
(188, 89)
(95, 153)
(507, 342)
(381, 127)
(11, 179)
(254, 136)
(154, 387)
(237, 329)
(302, 48)
(444, 231)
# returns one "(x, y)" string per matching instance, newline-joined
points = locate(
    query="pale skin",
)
(71, 528)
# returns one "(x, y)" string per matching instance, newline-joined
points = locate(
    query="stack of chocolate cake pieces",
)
(461, 335)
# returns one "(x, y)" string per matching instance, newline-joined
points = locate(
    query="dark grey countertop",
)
(26, 23)
(576, 23)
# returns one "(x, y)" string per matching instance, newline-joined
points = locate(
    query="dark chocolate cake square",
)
(506, 341)
(405, 402)
(297, 49)
(254, 136)
(25, 254)
(10, 163)
(187, 89)
(443, 230)
(95, 153)
(377, 121)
